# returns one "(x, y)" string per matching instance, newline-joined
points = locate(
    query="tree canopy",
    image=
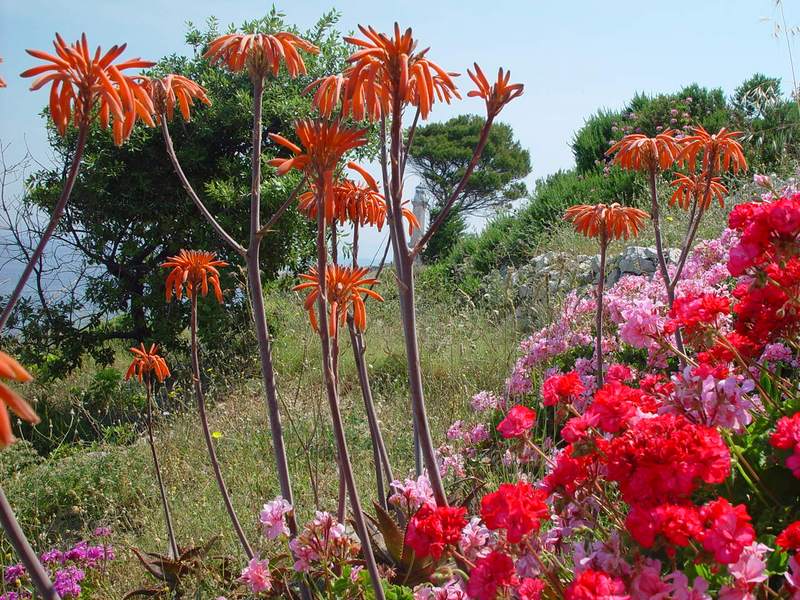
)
(128, 212)
(441, 152)
(769, 121)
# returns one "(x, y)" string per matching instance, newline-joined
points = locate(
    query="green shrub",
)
(83, 410)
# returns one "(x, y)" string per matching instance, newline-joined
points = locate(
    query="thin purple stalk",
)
(333, 403)
(55, 218)
(259, 315)
(599, 314)
(662, 261)
(27, 556)
(405, 274)
(187, 186)
(7, 518)
(212, 453)
(380, 456)
(655, 218)
(251, 256)
(173, 544)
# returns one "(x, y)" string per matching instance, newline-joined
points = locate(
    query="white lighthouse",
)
(419, 206)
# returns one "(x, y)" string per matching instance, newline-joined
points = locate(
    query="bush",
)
(514, 239)
(90, 408)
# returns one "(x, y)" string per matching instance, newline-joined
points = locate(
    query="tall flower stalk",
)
(147, 365)
(360, 204)
(261, 55)
(333, 288)
(604, 223)
(380, 455)
(196, 270)
(651, 155)
(11, 370)
(83, 86)
(715, 154)
(386, 75)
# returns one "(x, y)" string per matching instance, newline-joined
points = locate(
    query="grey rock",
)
(551, 275)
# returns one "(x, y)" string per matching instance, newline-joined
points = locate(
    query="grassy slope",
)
(463, 352)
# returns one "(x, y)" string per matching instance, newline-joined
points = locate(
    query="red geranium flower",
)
(562, 388)
(787, 433)
(615, 405)
(516, 507)
(491, 574)
(431, 529)
(568, 473)
(664, 459)
(596, 585)
(787, 437)
(518, 422)
(727, 530)
(530, 589)
(676, 523)
(692, 311)
(789, 538)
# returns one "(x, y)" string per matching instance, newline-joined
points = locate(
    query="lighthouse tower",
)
(419, 206)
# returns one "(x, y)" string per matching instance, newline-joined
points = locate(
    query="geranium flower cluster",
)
(323, 546)
(664, 460)
(787, 437)
(71, 570)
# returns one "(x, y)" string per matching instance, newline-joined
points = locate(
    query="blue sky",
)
(574, 56)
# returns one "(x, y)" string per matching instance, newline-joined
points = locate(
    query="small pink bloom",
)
(257, 576)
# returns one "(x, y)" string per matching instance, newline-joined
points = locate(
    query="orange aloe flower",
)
(11, 370)
(344, 286)
(720, 150)
(611, 222)
(175, 90)
(351, 202)
(81, 80)
(2, 81)
(146, 362)
(496, 95)
(195, 269)
(382, 69)
(323, 145)
(371, 209)
(357, 203)
(694, 186)
(329, 92)
(637, 152)
(261, 53)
